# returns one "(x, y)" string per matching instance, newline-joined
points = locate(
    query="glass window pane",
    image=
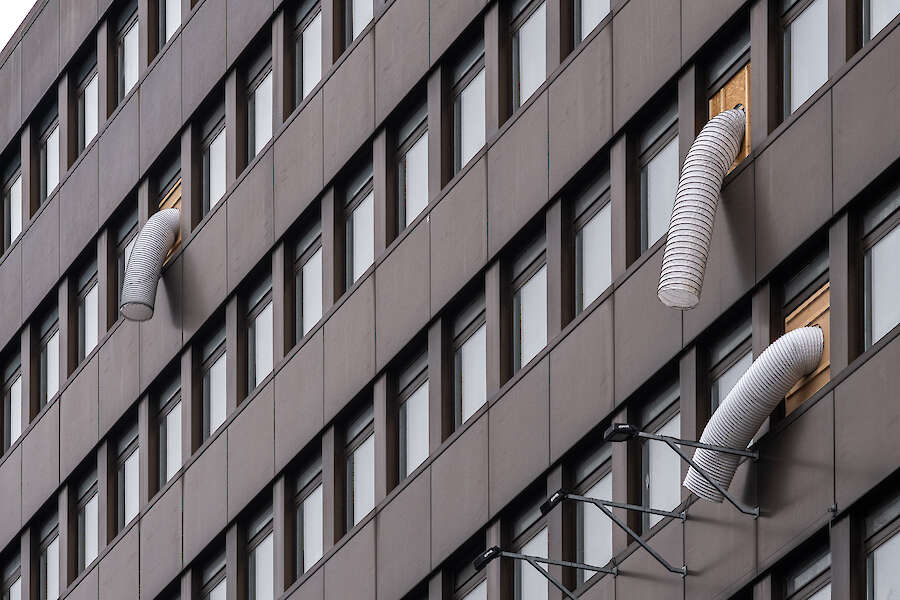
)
(220, 591)
(52, 561)
(595, 256)
(363, 479)
(217, 394)
(15, 209)
(808, 40)
(91, 314)
(414, 184)
(723, 385)
(130, 60)
(363, 236)
(596, 528)
(15, 590)
(533, 316)
(885, 575)
(471, 119)
(414, 417)
(885, 284)
(15, 410)
(52, 365)
(312, 291)
(473, 373)
(661, 182)
(312, 528)
(312, 54)
(132, 483)
(532, 584)
(263, 575)
(881, 12)
(91, 534)
(264, 346)
(822, 594)
(173, 17)
(173, 441)
(53, 160)
(479, 592)
(362, 14)
(91, 109)
(262, 117)
(532, 48)
(216, 181)
(664, 471)
(592, 12)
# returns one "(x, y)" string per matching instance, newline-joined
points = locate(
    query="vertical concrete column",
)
(146, 201)
(560, 32)
(146, 31)
(624, 206)
(765, 588)
(106, 299)
(440, 133)
(282, 79)
(332, 248)
(67, 539)
(106, 80)
(497, 587)
(385, 439)
(846, 280)
(497, 69)
(385, 203)
(106, 495)
(332, 33)
(189, 585)
(28, 356)
(440, 392)
(559, 538)
(440, 585)
(282, 526)
(626, 469)
(235, 127)
(843, 32)
(560, 271)
(282, 310)
(694, 403)
(235, 361)
(30, 183)
(191, 403)
(332, 485)
(68, 340)
(847, 554)
(147, 452)
(235, 568)
(499, 359)
(765, 75)
(765, 316)
(29, 543)
(691, 109)
(67, 115)
(191, 180)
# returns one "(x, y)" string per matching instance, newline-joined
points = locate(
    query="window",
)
(213, 370)
(529, 49)
(87, 301)
(126, 235)
(593, 242)
(810, 578)
(307, 281)
(214, 166)
(213, 584)
(529, 295)
(88, 537)
(11, 585)
(588, 14)
(412, 168)
(469, 362)
(360, 467)
(467, 583)
(728, 83)
(260, 343)
(127, 478)
(168, 423)
(358, 14)
(259, 112)
(594, 529)
(49, 158)
(807, 302)
(88, 117)
(48, 365)
(168, 183)
(469, 117)
(881, 285)
(11, 191)
(169, 20)
(260, 558)
(48, 561)
(307, 49)
(659, 176)
(309, 510)
(729, 359)
(882, 549)
(412, 408)
(661, 467)
(359, 214)
(805, 25)
(530, 537)
(876, 15)
(12, 402)
(127, 53)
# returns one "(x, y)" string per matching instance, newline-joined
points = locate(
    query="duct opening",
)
(145, 264)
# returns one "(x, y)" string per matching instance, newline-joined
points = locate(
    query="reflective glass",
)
(91, 109)
(312, 528)
(594, 249)
(15, 410)
(723, 385)
(220, 592)
(363, 235)
(262, 115)
(263, 572)
(664, 471)
(132, 484)
(881, 12)
(91, 535)
(884, 284)
(173, 17)
(15, 209)
(173, 441)
(479, 592)
(362, 13)
(263, 344)
(414, 425)
(532, 316)
(596, 528)
(363, 479)
(216, 181)
(52, 365)
(592, 12)
(808, 47)
(312, 54)
(471, 119)
(473, 374)
(531, 42)
(130, 59)
(15, 590)
(531, 584)
(414, 179)
(312, 291)
(660, 184)
(53, 160)
(91, 316)
(52, 569)
(216, 381)
(885, 582)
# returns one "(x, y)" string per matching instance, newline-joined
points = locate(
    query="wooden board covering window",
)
(735, 91)
(814, 311)
(172, 199)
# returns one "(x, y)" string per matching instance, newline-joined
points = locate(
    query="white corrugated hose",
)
(694, 210)
(750, 402)
(145, 264)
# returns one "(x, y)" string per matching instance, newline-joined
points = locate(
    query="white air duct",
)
(694, 210)
(753, 398)
(145, 264)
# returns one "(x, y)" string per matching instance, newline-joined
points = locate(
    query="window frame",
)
(518, 543)
(208, 584)
(9, 579)
(6, 187)
(161, 25)
(515, 26)
(586, 483)
(46, 134)
(253, 542)
(300, 496)
(46, 540)
(83, 500)
(797, 567)
(301, 258)
(303, 20)
(166, 403)
(456, 90)
(205, 368)
(349, 5)
(459, 340)
(518, 282)
(653, 149)
(253, 85)
(786, 17)
(349, 448)
(123, 241)
(122, 457)
(462, 590)
(9, 380)
(121, 33)
(80, 114)
(81, 295)
(253, 312)
(600, 199)
(731, 358)
(577, 16)
(207, 205)
(665, 415)
(352, 203)
(417, 376)
(46, 335)
(403, 148)
(868, 241)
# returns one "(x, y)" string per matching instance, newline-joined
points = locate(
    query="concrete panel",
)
(244, 20)
(11, 495)
(78, 209)
(401, 53)
(640, 576)
(517, 175)
(448, 19)
(40, 461)
(350, 573)
(78, 427)
(161, 543)
(40, 256)
(203, 264)
(88, 588)
(119, 366)
(11, 96)
(251, 450)
(298, 165)
(581, 380)
(160, 110)
(11, 293)
(203, 62)
(700, 20)
(119, 568)
(458, 235)
(76, 20)
(299, 401)
(250, 220)
(350, 348)
(205, 498)
(119, 157)
(405, 524)
(40, 56)
(581, 109)
(313, 588)
(160, 337)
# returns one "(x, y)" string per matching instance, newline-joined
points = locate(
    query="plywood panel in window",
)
(735, 91)
(813, 311)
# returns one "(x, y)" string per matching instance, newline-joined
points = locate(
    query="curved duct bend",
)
(752, 399)
(145, 264)
(694, 210)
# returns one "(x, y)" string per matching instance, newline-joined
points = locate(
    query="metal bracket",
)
(535, 561)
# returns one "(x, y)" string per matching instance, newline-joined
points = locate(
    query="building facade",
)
(415, 282)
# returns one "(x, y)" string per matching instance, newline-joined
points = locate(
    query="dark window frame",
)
(869, 240)
(253, 543)
(797, 567)
(80, 114)
(6, 195)
(122, 242)
(253, 312)
(655, 424)
(403, 149)
(515, 27)
(166, 403)
(353, 202)
(456, 91)
(161, 40)
(206, 174)
(44, 192)
(300, 496)
(43, 342)
(121, 33)
(43, 547)
(516, 285)
(252, 86)
(403, 395)
(303, 21)
(81, 534)
(462, 589)
(644, 159)
(349, 448)
(301, 258)
(518, 543)
(122, 456)
(348, 21)
(732, 357)
(601, 198)
(90, 282)
(9, 578)
(585, 484)
(208, 584)
(479, 320)
(9, 380)
(205, 368)
(786, 17)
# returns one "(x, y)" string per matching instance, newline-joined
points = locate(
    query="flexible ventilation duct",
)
(746, 407)
(694, 210)
(145, 263)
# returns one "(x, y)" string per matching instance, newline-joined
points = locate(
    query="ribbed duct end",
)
(145, 264)
(750, 402)
(694, 210)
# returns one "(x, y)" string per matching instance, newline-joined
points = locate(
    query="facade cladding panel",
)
(816, 202)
